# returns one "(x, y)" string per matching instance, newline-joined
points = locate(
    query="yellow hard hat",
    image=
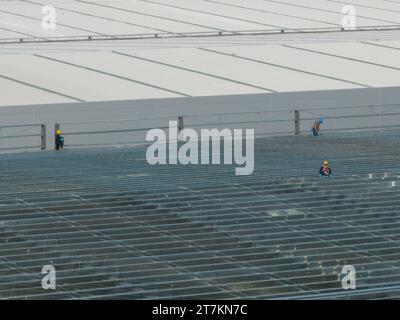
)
(58, 132)
(326, 162)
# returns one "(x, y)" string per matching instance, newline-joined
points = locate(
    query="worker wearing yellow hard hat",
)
(325, 170)
(59, 140)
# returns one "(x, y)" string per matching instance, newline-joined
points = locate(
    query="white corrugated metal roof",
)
(52, 72)
(81, 17)
(141, 74)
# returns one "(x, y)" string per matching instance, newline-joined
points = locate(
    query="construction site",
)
(113, 225)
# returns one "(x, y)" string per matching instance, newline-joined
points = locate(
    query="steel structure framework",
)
(115, 227)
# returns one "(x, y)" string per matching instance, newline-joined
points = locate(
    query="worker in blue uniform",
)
(59, 140)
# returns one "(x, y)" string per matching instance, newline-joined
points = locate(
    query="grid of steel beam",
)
(115, 227)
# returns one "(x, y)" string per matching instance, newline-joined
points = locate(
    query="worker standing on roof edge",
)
(59, 140)
(325, 170)
(315, 127)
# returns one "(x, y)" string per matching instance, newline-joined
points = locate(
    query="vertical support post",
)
(180, 124)
(180, 127)
(296, 122)
(43, 136)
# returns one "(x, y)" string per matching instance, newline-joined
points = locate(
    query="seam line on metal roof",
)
(286, 67)
(151, 15)
(331, 11)
(102, 17)
(380, 45)
(112, 75)
(193, 71)
(60, 24)
(272, 12)
(341, 57)
(210, 13)
(369, 7)
(41, 88)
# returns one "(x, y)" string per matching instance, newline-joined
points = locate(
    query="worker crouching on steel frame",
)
(316, 127)
(59, 140)
(325, 170)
